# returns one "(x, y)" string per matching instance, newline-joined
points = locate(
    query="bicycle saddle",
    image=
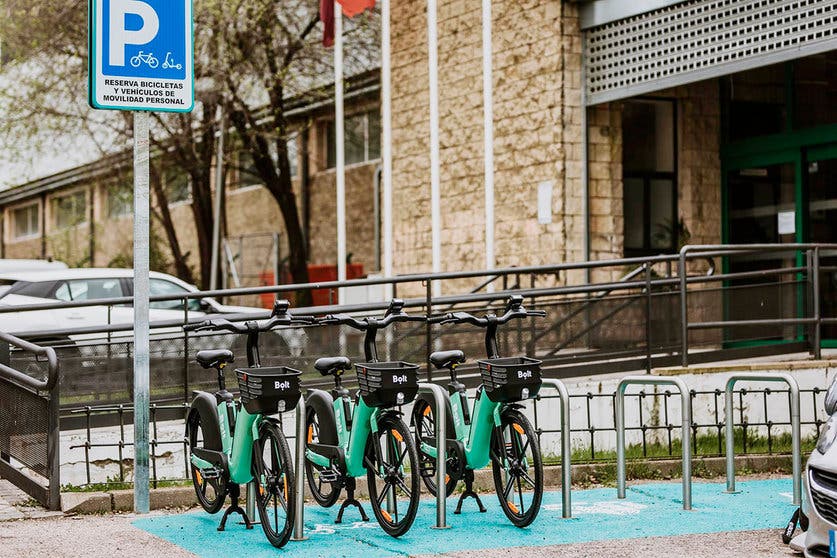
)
(330, 365)
(443, 359)
(213, 358)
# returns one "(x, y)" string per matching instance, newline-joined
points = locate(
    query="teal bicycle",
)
(351, 437)
(493, 430)
(232, 444)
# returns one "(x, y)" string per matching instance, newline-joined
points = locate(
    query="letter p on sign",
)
(121, 36)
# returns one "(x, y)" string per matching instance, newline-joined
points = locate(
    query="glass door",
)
(761, 202)
(822, 225)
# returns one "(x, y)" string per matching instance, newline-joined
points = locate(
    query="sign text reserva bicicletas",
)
(143, 83)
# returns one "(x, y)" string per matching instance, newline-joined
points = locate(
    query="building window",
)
(649, 177)
(26, 221)
(178, 186)
(248, 175)
(362, 139)
(69, 210)
(120, 200)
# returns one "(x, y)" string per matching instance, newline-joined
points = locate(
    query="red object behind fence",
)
(317, 273)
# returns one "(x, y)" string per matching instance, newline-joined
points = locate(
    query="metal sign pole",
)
(141, 327)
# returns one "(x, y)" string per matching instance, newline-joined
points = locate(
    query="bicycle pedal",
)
(329, 476)
(211, 473)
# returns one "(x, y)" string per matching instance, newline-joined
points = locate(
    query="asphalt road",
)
(113, 535)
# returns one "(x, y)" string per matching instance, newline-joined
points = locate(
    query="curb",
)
(586, 473)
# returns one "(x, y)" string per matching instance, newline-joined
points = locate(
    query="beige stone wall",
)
(536, 57)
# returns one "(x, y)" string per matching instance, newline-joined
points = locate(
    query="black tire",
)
(325, 493)
(424, 426)
(211, 492)
(391, 475)
(274, 476)
(518, 468)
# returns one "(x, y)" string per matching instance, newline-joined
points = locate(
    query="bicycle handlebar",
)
(395, 313)
(514, 310)
(221, 324)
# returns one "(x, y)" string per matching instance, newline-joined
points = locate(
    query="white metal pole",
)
(386, 138)
(435, 204)
(488, 135)
(141, 332)
(340, 171)
(219, 201)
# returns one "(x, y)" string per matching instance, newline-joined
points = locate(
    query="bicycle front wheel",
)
(392, 474)
(518, 468)
(273, 473)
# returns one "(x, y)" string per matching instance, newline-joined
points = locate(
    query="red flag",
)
(354, 7)
(350, 7)
(327, 17)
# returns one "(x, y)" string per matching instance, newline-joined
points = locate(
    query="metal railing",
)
(29, 424)
(591, 441)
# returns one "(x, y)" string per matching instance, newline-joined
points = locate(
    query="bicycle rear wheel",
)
(518, 468)
(324, 492)
(392, 474)
(273, 473)
(210, 486)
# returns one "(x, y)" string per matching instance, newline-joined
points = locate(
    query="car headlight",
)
(828, 435)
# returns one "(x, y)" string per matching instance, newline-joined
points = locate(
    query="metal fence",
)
(593, 433)
(705, 304)
(29, 426)
(631, 314)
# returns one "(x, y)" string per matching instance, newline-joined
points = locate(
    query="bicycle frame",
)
(238, 447)
(353, 442)
(477, 437)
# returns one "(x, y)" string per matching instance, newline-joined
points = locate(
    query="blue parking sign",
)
(141, 55)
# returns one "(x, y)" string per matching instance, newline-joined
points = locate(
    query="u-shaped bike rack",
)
(566, 447)
(440, 398)
(686, 445)
(299, 504)
(796, 436)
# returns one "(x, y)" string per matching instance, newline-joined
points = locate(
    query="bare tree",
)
(258, 53)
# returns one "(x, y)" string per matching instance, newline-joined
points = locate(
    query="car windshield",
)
(159, 287)
(89, 289)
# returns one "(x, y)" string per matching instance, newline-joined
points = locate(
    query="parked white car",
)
(82, 284)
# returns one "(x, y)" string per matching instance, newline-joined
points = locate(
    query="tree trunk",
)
(181, 268)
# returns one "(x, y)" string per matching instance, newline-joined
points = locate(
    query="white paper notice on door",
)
(787, 222)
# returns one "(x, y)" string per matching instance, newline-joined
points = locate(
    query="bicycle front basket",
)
(386, 384)
(268, 390)
(505, 379)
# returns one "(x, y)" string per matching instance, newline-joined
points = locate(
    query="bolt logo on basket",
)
(281, 385)
(524, 374)
(400, 379)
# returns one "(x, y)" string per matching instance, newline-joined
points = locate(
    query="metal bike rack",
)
(566, 447)
(440, 397)
(796, 435)
(299, 504)
(686, 406)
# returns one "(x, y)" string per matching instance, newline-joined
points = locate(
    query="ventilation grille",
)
(699, 39)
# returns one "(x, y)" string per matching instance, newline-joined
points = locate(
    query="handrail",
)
(796, 433)
(704, 250)
(25, 380)
(686, 438)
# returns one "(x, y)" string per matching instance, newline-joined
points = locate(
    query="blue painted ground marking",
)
(649, 510)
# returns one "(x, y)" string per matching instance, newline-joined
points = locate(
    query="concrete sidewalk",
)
(16, 504)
